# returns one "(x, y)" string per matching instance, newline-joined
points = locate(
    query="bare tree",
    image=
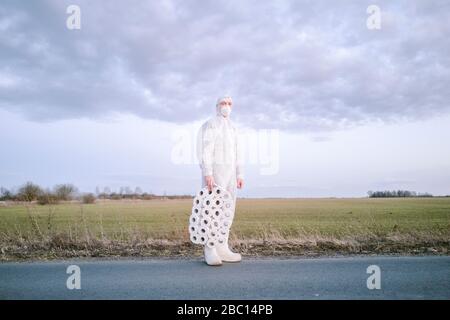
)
(29, 192)
(65, 191)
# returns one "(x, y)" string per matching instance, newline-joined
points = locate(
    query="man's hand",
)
(209, 182)
(240, 183)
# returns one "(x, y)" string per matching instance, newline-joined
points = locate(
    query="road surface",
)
(322, 278)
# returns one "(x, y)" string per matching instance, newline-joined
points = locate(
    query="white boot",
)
(226, 254)
(211, 257)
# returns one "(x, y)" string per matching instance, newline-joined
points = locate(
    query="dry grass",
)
(262, 227)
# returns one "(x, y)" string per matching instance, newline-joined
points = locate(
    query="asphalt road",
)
(323, 278)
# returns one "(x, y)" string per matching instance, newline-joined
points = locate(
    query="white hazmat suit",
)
(219, 151)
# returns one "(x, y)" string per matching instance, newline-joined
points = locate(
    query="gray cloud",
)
(295, 65)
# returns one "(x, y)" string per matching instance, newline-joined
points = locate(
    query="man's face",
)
(225, 107)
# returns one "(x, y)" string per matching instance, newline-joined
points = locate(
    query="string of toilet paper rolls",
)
(211, 217)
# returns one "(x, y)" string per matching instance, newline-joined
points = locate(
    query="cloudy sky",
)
(343, 108)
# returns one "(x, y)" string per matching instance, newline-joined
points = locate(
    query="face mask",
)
(225, 111)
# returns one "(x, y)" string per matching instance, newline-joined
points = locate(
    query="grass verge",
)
(263, 227)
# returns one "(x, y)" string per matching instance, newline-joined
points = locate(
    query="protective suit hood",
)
(224, 98)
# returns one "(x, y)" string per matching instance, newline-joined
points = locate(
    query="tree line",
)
(67, 192)
(396, 194)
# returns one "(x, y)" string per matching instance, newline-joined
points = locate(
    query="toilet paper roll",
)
(227, 205)
(205, 221)
(196, 210)
(227, 214)
(223, 230)
(217, 202)
(197, 201)
(202, 239)
(207, 201)
(223, 233)
(195, 238)
(207, 212)
(217, 213)
(211, 243)
(208, 193)
(203, 230)
(202, 193)
(226, 224)
(217, 191)
(193, 229)
(226, 196)
(213, 234)
(194, 220)
(215, 225)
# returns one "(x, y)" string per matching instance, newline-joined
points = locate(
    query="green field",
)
(261, 227)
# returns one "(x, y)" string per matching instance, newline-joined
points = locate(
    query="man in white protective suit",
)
(220, 158)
